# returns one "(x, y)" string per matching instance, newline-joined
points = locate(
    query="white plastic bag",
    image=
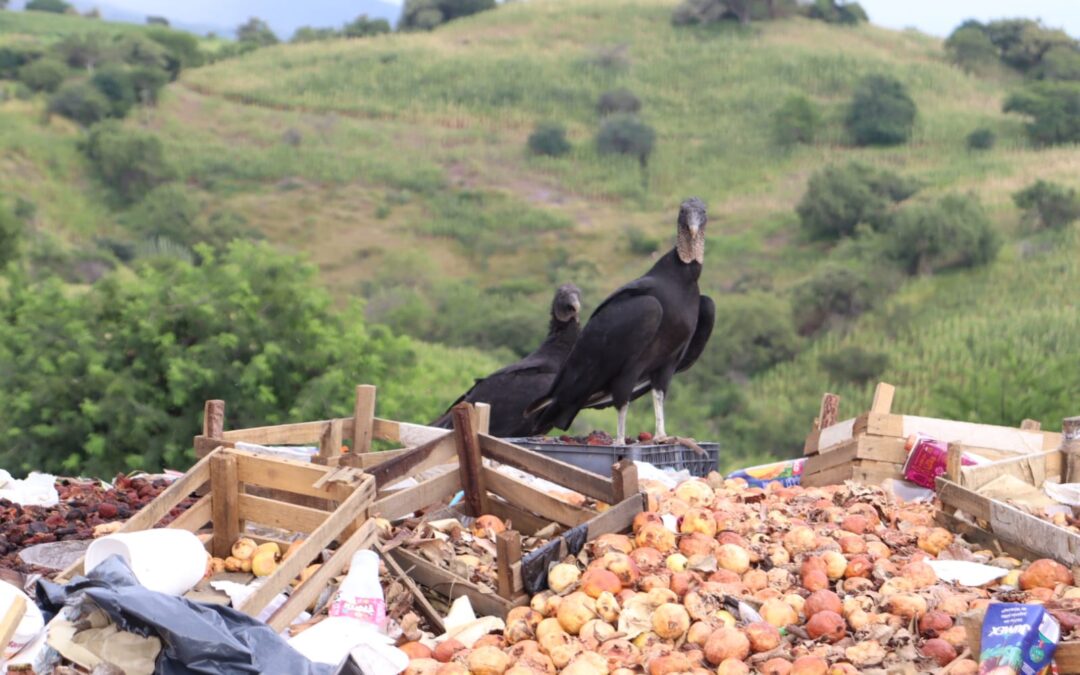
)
(37, 489)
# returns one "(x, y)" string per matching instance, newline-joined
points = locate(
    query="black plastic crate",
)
(599, 458)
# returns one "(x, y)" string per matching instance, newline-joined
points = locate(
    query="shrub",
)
(640, 243)
(1023, 42)
(362, 26)
(80, 102)
(626, 135)
(147, 83)
(1060, 62)
(169, 211)
(257, 32)
(138, 50)
(157, 21)
(703, 12)
(833, 292)
(54, 6)
(181, 49)
(753, 332)
(831, 11)
(11, 232)
(981, 139)
(427, 14)
(114, 81)
(881, 112)
(549, 139)
(970, 47)
(1049, 204)
(854, 364)
(309, 34)
(796, 121)
(85, 50)
(953, 232)
(14, 57)
(618, 101)
(130, 162)
(43, 74)
(1053, 109)
(838, 198)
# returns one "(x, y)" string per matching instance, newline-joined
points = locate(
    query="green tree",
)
(1049, 205)
(114, 81)
(1022, 43)
(753, 332)
(881, 112)
(833, 11)
(130, 162)
(257, 32)
(43, 74)
(549, 138)
(148, 82)
(54, 6)
(1053, 109)
(157, 21)
(309, 34)
(971, 48)
(626, 135)
(951, 233)
(85, 50)
(11, 234)
(839, 198)
(169, 211)
(80, 102)
(181, 49)
(362, 26)
(796, 121)
(1060, 62)
(428, 14)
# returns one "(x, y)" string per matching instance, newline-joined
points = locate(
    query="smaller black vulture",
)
(639, 337)
(510, 389)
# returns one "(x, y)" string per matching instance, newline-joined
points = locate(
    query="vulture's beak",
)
(575, 302)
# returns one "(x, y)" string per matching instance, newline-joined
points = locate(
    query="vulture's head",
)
(566, 304)
(691, 241)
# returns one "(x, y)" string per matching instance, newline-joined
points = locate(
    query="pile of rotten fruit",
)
(717, 577)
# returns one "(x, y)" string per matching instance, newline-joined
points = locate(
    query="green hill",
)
(398, 165)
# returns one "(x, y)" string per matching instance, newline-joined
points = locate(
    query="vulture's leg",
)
(620, 433)
(658, 410)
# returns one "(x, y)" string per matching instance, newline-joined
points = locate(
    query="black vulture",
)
(510, 389)
(639, 337)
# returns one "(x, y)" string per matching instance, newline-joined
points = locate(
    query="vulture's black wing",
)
(493, 387)
(702, 333)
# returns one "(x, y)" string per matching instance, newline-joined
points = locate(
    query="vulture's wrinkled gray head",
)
(567, 303)
(691, 240)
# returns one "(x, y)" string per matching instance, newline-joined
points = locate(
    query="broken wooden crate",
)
(870, 448)
(487, 491)
(232, 475)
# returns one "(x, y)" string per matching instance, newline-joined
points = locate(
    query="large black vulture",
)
(639, 337)
(510, 389)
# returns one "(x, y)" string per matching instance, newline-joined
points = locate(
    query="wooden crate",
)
(870, 448)
(232, 475)
(488, 491)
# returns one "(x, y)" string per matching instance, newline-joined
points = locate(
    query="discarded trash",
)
(37, 489)
(1066, 493)
(27, 628)
(908, 491)
(927, 459)
(786, 473)
(966, 573)
(1017, 639)
(165, 560)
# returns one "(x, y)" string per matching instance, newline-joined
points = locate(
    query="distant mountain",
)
(222, 18)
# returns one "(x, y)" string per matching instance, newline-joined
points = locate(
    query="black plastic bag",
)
(196, 637)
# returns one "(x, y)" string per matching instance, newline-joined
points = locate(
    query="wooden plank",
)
(561, 473)
(363, 418)
(1050, 541)
(1029, 424)
(1034, 468)
(830, 437)
(531, 499)
(401, 503)
(470, 463)
(330, 443)
(197, 515)
(618, 518)
(829, 411)
(287, 475)
(302, 433)
(833, 476)
(507, 552)
(980, 537)
(953, 462)
(441, 450)
(225, 503)
(519, 519)
(403, 433)
(484, 602)
(352, 509)
(883, 398)
(971, 434)
(483, 418)
(279, 514)
(840, 455)
(624, 480)
(308, 592)
(875, 473)
(810, 445)
(971, 503)
(9, 621)
(369, 459)
(879, 424)
(422, 604)
(214, 418)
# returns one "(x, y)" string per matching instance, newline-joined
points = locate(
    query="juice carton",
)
(927, 460)
(1018, 639)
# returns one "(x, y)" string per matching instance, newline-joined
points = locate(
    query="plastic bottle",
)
(360, 595)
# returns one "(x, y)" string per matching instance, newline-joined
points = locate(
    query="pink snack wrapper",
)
(927, 460)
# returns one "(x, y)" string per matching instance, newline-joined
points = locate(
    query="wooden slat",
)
(401, 503)
(9, 621)
(984, 538)
(508, 552)
(951, 494)
(351, 510)
(197, 515)
(301, 433)
(287, 475)
(214, 418)
(308, 592)
(225, 503)
(561, 473)
(531, 499)
(875, 473)
(878, 424)
(329, 443)
(522, 521)
(483, 417)
(442, 450)
(279, 514)
(363, 418)
(829, 411)
(883, 398)
(1034, 468)
(470, 462)
(369, 459)
(484, 602)
(149, 515)
(422, 604)
(1011, 524)
(831, 437)
(624, 480)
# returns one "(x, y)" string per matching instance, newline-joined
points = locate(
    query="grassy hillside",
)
(398, 164)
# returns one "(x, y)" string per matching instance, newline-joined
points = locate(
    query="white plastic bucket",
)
(27, 629)
(165, 560)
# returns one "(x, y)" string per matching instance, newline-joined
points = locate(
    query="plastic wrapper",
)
(786, 473)
(197, 637)
(1017, 639)
(927, 460)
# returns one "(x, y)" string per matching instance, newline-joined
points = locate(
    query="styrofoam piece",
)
(166, 560)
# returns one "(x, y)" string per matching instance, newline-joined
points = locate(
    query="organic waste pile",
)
(718, 577)
(87, 509)
(593, 438)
